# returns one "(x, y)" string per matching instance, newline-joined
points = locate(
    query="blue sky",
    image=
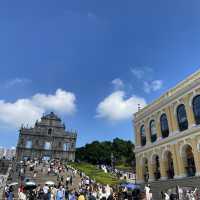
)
(92, 61)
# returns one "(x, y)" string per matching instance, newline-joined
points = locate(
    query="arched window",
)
(29, 144)
(196, 109)
(182, 118)
(143, 135)
(49, 131)
(47, 145)
(153, 130)
(164, 126)
(65, 147)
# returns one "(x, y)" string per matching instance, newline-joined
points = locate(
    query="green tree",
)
(100, 152)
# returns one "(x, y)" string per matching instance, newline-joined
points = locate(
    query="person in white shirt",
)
(49, 170)
(166, 196)
(147, 191)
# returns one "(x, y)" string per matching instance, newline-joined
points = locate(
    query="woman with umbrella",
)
(30, 190)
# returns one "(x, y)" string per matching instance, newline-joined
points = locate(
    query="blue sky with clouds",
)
(92, 61)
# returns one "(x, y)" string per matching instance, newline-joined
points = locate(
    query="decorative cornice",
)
(182, 88)
(171, 139)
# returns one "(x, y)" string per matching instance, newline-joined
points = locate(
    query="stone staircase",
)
(164, 185)
(40, 178)
(3, 184)
(4, 165)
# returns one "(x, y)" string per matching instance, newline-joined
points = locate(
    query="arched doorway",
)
(188, 160)
(156, 167)
(169, 165)
(145, 170)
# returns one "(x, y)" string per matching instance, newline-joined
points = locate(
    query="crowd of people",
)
(183, 193)
(68, 184)
(71, 184)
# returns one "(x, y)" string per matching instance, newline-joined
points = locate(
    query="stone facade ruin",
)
(47, 140)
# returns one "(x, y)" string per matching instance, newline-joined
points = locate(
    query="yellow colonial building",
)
(167, 134)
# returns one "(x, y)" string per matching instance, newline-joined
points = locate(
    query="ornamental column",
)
(180, 161)
(174, 158)
(189, 111)
(169, 119)
(137, 135)
(151, 170)
(158, 130)
(163, 170)
(147, 131)
(196, 156)
(173, 119)
(139, 168)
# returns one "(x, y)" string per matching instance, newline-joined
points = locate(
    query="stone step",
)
(41, 178)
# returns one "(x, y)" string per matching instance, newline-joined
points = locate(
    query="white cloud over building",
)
(117, 106)
(28, 110)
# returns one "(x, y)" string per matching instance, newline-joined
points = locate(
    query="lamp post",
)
(112, 160)
(134, 165)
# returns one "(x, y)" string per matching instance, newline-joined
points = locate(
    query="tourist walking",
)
(59, 194)
(10, 193)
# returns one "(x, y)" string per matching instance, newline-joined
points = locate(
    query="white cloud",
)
(117, 83)
(152, 85)
(61, 101)
(142, 73)
(16, 81)
(27, 111)
(157, 85)
(23, 111)
(117, 107)
(145, 77)
(137, 73)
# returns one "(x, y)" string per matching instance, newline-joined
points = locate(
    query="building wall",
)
(37, 149)
(178, 143)
(49, 132)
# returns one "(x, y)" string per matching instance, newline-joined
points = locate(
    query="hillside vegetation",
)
(119, 151)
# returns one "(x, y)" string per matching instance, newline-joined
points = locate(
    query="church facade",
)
(48, 139)
(167, 134)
